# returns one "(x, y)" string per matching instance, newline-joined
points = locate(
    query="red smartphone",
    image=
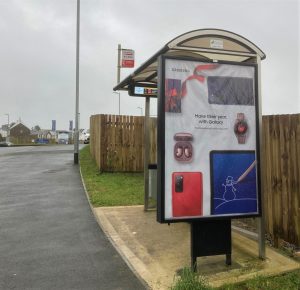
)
(187, 192)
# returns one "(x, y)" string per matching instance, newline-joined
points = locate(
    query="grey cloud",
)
(37, 52)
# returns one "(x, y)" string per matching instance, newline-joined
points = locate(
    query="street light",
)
(119, 100)
(7, 136)
(76, 131)
(141, 110)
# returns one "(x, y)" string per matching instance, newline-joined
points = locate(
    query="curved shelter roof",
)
(202, 44)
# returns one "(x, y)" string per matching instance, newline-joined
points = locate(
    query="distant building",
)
(46, 134)
(20, 134)
(63, 137)
(3, 133)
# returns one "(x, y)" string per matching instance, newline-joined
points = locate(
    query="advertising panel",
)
(208, 163)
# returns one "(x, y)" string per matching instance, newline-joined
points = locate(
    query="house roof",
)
(17, 124)
(206, 44)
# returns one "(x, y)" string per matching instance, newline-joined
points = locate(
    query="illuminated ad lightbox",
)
(139, 90)
(208, 147)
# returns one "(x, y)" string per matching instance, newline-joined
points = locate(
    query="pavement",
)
(49, 238)
(158, 252)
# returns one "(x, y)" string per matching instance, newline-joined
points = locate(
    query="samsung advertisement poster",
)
(208, 163)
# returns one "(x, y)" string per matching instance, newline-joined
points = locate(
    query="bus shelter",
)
(230, 67)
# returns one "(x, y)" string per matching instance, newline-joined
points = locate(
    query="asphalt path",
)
(49, 238)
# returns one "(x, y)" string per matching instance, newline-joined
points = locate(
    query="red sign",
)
(127, 58)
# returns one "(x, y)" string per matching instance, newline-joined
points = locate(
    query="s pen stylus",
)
(247, 171)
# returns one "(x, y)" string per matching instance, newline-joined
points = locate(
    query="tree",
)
(37, 128)
(4, 127)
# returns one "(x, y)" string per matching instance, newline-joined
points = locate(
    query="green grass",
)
(288, 281)
(190, 281)
(110, 189)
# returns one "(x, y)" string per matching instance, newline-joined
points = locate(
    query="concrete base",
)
(156, 252)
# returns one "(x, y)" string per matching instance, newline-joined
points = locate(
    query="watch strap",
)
(241, 139)
(240, 116)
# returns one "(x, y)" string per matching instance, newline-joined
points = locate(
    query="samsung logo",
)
(180, 69)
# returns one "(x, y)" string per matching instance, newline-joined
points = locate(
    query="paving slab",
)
(156, 252)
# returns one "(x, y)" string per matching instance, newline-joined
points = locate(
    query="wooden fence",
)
(281, 176)
(117, 144)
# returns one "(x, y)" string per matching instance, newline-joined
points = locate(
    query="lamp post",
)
(119, 101)
(141, 110)
(76, 131)
(7, 136)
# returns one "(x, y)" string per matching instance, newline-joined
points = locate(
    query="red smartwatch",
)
(241, 128)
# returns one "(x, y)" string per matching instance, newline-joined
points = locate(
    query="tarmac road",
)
(49, 238)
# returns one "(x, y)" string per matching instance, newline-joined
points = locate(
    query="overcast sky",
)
(38, 45)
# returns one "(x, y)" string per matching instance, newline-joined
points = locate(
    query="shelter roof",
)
(203, 44)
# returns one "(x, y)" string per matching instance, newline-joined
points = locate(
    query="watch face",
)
(240, 128)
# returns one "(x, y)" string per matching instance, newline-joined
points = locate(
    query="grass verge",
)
(191, 281)
(110, 189)
(113, 189)
(288, 281)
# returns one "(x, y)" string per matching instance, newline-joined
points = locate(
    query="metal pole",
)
(146, 152)
(119, 74)
(76, 132)
(261, 220)
(119, 102)
(119, 105)
(119, 64)
(141, 110)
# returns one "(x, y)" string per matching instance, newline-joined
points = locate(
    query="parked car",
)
(6, 144)
(41, 141)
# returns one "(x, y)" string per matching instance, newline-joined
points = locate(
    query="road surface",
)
(49, 238)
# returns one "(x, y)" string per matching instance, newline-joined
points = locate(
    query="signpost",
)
(125, 60)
